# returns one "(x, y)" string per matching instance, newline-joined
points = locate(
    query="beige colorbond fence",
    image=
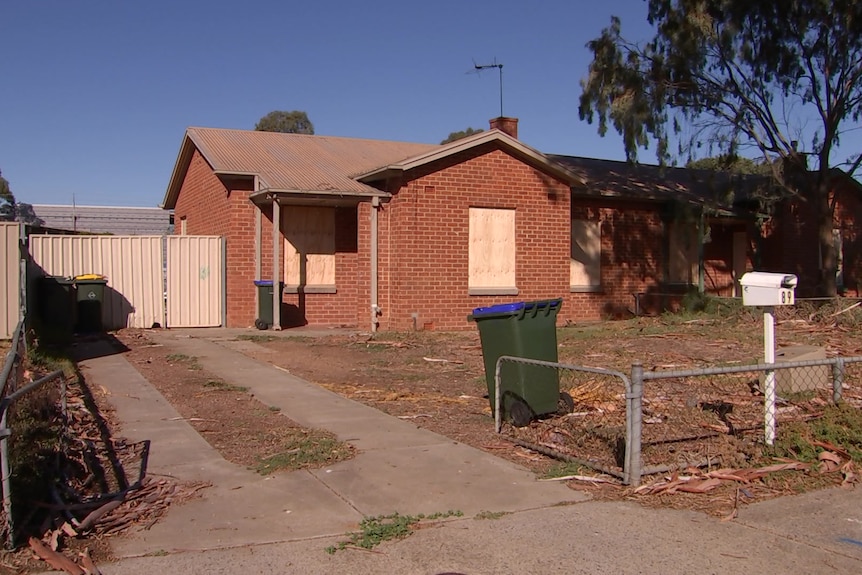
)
(135, 268)
(10, 278)
(195, 281)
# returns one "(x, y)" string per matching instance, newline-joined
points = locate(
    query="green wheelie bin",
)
(264, 303)
(90, 296)
(527, 330)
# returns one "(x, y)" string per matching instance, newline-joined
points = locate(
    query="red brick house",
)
(788, 240)
(400, 236)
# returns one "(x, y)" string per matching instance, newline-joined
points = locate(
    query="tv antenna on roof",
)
(479, 67)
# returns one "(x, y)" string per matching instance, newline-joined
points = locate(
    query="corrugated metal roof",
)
(612, 178)
(117, 220)
(298, 161)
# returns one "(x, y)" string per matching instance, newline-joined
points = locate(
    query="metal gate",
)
(195, 281)
(174, 281)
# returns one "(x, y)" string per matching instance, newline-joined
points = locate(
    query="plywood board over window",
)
(585, 269)
(683, 253)
(309, 248)
(492, 252)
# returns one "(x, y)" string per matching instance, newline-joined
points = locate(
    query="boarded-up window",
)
(492, 248)
(309, 246)
(585, 269)
(683, 256)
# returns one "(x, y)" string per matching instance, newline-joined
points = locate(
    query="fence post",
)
(634, 417)
(837, 379)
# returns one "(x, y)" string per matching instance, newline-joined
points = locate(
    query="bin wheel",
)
(520, 414)
(260, 324)
(565, 404)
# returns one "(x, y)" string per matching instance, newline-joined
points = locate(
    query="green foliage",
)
(7, 200)
(306, 449)
(453, 136)
(293, 122)
(840, 425)
(730, 163)
(564, 468)
(222, 385)
(190, 361)
(375, 530)
(34, 445)
(490, 515)
(723, 74)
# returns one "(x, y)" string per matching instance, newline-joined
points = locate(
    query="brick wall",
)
(848, 218)
(424, 233)
(424, 246)
(790, 240)
(338, 308)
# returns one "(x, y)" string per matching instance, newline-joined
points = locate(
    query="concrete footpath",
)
(282, 523)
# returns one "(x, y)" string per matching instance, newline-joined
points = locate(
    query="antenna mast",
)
(495, 64)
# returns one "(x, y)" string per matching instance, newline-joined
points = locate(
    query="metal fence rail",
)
(596, 434)
(662, 420)
(692, 417)
(12, 388)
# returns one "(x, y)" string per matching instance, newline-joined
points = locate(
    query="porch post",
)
(701, 271)
(375, 308)
(258, 243)
(276, 264)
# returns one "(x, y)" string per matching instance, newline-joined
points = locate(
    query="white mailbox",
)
(768, 289)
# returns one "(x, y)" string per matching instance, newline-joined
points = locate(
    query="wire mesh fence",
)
(715, 415)
(579, 412)
(663, 420)
(23, 417)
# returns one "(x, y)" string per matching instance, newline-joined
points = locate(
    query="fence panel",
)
(133, 266)
(195, 281)
(595, 434)
(715, 415)
(10, 278)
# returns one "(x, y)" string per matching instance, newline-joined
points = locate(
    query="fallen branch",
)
(587, 478)
(56, 560)
(436, 360)
(94, 516)
(846, 309)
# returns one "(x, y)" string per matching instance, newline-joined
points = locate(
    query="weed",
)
(840, 425)
(257, 338)
(224, 386)
(157, 553)
(308, 449)
(490, 514)
(563, 469)
(274, 408)
(375, 530)
(191, 361)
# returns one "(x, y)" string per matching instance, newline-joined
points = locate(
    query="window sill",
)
(310, 289)
(492, 291)
(586, 289)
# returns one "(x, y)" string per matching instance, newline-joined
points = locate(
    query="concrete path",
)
(282, 523)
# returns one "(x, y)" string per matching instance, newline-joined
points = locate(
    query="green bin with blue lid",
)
(526, 330)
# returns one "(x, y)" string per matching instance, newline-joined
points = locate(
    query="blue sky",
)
(97, 93)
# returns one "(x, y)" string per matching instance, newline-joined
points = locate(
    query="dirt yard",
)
(436, 380)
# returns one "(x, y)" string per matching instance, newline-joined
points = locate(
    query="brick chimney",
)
(506, 125)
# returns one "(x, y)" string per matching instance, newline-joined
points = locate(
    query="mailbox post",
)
(768, 290)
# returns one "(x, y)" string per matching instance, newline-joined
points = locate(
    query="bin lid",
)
(499, 309)
(263, 283)
(90, 277)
